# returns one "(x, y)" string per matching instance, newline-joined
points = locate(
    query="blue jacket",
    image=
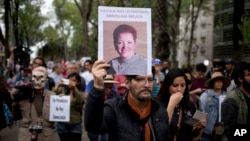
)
(210, 105)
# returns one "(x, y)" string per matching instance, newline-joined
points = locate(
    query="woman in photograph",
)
(128, 62)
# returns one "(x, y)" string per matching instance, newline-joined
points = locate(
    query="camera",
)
(65, 81)
(24, 85)
(35, 129)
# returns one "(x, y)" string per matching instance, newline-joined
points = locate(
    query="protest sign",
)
(59, 108)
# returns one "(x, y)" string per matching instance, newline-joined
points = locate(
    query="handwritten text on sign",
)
(59, 108)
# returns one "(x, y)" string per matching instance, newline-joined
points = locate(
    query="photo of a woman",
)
(128, 62)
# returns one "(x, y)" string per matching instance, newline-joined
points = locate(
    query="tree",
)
(244, 28)
(162, 48)
(196, 6)
(21, 20)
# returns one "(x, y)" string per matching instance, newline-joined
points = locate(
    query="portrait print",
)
(125, 47)
(125, 44)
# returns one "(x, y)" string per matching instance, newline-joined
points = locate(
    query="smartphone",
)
(65, 81)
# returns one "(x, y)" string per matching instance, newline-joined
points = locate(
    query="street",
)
(8, 134)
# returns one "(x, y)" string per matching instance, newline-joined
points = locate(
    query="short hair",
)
(57, 65)
(43, 61)
(124, 28)
(89, 61)
(239, 72)
(78, 79)
(201, 67)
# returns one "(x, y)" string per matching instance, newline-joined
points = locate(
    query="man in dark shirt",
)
(133, 117)
(235, 108)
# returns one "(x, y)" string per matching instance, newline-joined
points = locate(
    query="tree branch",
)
(79, 8)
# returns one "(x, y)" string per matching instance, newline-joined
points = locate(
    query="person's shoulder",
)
(49, 92)
(137, 59)
(51, 74)
(115, 102)
(114, 60)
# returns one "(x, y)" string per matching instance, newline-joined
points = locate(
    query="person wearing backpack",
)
(216, 85)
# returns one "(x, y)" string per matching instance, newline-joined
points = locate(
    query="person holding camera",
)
(34, 103)
(71, 86)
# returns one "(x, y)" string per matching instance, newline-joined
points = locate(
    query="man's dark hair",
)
(201, 67)
(239, 72)
(124, 28)
(130, 77)
(89, 61)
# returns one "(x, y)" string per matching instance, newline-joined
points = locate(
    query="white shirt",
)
(87, 76)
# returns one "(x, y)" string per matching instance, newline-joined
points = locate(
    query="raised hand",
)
(99, 72)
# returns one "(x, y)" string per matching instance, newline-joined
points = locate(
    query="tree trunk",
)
(162, 49)
(174, 34)
(6, 23)
(85, 44)
(194, 16)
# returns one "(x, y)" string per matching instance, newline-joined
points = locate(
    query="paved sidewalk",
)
(8, 134)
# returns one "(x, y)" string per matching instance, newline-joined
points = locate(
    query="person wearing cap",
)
(229, 69)
(235, 109)
(128, 62)
(109, 92)
(216, 85)
(158, 75)
(133, 117)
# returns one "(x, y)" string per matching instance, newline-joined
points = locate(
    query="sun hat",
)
(216, 75)
(109, 79)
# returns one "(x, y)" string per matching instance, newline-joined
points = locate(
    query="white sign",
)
(114, 23)
(59, 108)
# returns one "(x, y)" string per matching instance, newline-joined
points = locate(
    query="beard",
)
(142, 97)
(246, 85)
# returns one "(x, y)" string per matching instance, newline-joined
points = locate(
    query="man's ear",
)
(127, 82)
(240, 79)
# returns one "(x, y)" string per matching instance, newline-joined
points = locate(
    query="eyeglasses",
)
(144, 80)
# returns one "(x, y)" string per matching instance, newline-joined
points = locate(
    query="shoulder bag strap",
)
(152, 129)
(178, 125)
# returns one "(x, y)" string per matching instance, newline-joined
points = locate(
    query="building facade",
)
(202, 44)
(227, 36)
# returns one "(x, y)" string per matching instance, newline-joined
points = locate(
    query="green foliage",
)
(244, 28)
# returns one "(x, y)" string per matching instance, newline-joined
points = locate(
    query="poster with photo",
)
(124, 39)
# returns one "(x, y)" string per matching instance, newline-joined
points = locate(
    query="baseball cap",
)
(230, 61)
(156, 62)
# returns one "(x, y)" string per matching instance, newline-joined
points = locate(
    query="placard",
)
(122, 19)
(59, 108)
(198, 115)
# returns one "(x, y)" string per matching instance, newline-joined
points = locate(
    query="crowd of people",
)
(116, 107)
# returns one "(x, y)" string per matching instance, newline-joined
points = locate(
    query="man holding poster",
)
(124, 39)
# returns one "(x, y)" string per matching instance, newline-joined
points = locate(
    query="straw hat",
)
(109, 79)
(215, 75)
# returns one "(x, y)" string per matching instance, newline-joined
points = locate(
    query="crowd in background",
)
(222, 93)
